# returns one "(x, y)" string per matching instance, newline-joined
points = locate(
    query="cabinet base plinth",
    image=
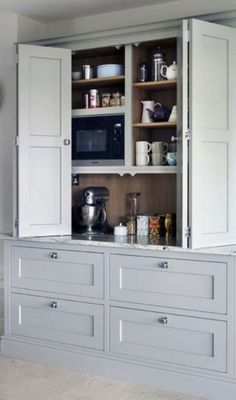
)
(209, 387)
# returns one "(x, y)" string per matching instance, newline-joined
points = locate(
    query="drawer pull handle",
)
(53, 304)
(163, 320)
(54, 255)
(163, 265)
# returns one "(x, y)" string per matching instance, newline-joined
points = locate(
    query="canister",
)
(143, 225)
(154, 226)
(87, 71)
(94, 100)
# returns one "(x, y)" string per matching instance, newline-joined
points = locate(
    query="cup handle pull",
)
(162, 70)
(147, 158)
(165, 147)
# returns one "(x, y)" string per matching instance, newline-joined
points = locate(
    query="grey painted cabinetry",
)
(123, 312)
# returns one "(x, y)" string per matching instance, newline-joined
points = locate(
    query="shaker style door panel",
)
(188, 284)
(57, 271)
(44, 136)
(188, 341)
(212, 141)
(57, 320)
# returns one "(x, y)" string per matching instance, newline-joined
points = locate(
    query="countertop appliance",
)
(98, 140)
(91, 217)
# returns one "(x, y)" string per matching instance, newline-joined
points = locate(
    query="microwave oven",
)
(98, 140)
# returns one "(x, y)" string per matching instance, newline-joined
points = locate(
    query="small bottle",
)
(143, 72)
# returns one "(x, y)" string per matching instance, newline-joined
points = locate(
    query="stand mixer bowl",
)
(90, 216)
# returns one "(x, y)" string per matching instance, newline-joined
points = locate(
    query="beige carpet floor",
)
(21, 380)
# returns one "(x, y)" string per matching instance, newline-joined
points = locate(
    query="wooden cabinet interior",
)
(158, 193)
(163, 92)
(95, 57)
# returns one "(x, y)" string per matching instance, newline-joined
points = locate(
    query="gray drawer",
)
(57, 320)
(189, 284)
(188, 341)
(70, 272)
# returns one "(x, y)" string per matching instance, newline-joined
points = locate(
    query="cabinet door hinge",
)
(17, 141)
(188, 232)
(187, 36)
(16, 223)
(187, 134)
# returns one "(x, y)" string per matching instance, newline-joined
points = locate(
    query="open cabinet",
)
(203, 184)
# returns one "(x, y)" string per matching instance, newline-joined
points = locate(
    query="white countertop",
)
(128, 242)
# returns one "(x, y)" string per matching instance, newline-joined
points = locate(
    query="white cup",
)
(143, 147)
(159, 147)
(142, 159)
(158, 159)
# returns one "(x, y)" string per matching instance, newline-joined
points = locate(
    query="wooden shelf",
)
(122, 170)
(84, 112)
(156, 85)
(151, 125)
(98, 82)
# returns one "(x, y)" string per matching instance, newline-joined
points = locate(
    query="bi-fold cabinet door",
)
(44, 141)
(208, 188)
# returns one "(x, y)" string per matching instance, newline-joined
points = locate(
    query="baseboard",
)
(185, 383)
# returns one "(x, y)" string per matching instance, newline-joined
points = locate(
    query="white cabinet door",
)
(212, 117)
(44, 137)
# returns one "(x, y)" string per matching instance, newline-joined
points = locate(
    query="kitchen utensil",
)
(76, 75)
(148, 106)
(142, 159)
(143, 147)
(171, 158)
(158, 159)
(173, 115)
(87, 71)
(160, 113)
(170, 72)
(160, 147)
(109, 70)
(91, 215)
(157, 63)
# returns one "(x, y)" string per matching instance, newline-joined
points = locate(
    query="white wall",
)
(8, 36)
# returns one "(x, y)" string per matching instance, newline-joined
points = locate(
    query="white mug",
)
(158, 159)
(159, 147)
(142, 159)
(143, 147)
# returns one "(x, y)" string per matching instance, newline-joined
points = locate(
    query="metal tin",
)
(131, 225)
(87, 71)
(143, 72)
(94, 100)
(154, 226)
(143, 225)
(156, 68)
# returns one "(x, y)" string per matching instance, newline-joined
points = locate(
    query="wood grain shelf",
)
(152, 125)
(156, 85)
(98, 82)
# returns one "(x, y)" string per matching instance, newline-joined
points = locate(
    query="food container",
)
(115, 99)
(87, 71)
(106, 99)
(142, 225)
(154, 226)
(76, 75)
(94, 100)
(120, 230)
(108, 70)
(85, 97)
(131, 225)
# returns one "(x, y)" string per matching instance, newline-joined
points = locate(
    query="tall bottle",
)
(156, 66)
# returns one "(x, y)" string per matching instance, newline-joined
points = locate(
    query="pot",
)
(160, 113)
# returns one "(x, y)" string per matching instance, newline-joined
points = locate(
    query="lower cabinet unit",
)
(57, 320)
(177, 339)
(159, 317)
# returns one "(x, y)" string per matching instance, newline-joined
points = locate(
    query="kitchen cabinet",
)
(203, 186)
(140, 326)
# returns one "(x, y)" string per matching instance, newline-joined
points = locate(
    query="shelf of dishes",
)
(155, 125)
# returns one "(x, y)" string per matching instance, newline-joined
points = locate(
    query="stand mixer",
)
(90, 217)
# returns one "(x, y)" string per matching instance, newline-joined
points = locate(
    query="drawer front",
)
(188, 284)
(59, 271)
(188, 341)
(57, 320)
